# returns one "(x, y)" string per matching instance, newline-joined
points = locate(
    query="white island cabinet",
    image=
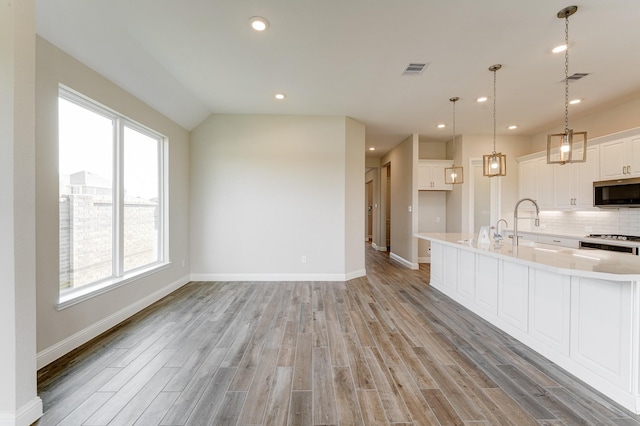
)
(578, 308)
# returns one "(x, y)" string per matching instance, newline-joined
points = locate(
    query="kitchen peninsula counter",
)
(578, 262)
(578, 308)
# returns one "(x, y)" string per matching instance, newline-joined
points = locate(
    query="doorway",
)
(385, 210)
(369, 212)
(484, 197)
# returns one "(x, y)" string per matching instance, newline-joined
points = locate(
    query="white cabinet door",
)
(620, 159)
(633, 169)
(544, 179)
(466, 274)
(602, 327)
(450, 267)
(486, 296)
(527, 175)
(513, 295)
(573, 183)
(437, 176)
(436, 264)
(550, 309)
(584, 174)
(536, 182)
(431, 175)
(562, 178)
(424, 177)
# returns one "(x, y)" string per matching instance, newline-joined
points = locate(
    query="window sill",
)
(72, 297)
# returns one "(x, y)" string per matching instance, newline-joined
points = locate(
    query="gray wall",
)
(269, 190)
(59, 331)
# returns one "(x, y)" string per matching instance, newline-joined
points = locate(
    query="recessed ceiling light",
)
(280, 96)
(512, 127)
(372, 149)
(575, 101)
(559, 49)
(259, 23)
(482, 99)
(441, 126)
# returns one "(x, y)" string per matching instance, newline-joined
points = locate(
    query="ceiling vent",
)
(575, 77)
(414, 69)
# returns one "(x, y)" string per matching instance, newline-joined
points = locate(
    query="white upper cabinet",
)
(573, 183)
(562, 187)
(620, 158)
(536, 182)
(431, 175)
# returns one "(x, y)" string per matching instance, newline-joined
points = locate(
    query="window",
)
(111, 198)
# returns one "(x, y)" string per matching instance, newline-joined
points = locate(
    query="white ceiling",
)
(191, 58)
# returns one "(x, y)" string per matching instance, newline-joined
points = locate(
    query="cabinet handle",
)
(556, 241)
(629, 170)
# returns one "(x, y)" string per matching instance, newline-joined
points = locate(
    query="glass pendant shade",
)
(494, 164)
(453, 175)
(568, 147)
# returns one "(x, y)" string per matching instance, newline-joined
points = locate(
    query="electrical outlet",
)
(303, 259)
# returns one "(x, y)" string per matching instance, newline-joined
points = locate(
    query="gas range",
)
(612, 242)
(614, 237)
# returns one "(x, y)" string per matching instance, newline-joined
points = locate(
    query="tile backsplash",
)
(610, 221)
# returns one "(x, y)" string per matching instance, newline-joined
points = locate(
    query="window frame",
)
(119, 277)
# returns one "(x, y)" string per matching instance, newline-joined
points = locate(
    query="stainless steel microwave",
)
(617, 193)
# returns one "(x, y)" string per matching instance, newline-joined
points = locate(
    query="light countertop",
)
(585, 263)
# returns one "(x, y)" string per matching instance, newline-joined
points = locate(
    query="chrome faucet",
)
(497, 234)
(515, 219)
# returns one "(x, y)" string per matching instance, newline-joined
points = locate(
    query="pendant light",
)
(570, 146)
(454, 174)
(494, 164)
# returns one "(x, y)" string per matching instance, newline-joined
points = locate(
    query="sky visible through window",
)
(86, 144)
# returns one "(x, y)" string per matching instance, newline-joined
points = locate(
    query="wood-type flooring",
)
(385, 349)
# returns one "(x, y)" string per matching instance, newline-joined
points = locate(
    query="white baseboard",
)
(355, 274)
(403, 261)
(425, 259)
(25, 416)
(374, 246)
(271, 277)
(65, 346)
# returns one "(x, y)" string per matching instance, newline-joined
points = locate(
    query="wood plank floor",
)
(379, 350)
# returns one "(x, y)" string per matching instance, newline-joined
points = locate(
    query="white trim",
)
(25, 416)
(424, 259)
(403, 261)
(65, 346)
(274, 277)
(70, 298)
(355, 274)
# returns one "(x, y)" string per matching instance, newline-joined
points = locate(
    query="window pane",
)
(141, 189)
(86, 205)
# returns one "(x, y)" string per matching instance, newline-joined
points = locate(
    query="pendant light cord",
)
(453, 149)
(566, 74)
(494, 110)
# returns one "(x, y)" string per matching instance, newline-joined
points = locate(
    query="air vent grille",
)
(414, 68)
(577, 76)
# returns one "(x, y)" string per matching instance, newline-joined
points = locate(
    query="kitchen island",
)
(578, 308)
